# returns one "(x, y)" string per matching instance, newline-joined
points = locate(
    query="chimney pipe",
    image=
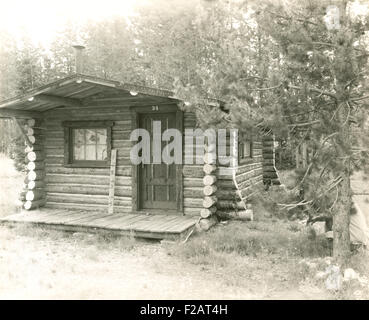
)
(78, 50)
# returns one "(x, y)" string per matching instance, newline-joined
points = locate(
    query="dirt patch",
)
(42, 264)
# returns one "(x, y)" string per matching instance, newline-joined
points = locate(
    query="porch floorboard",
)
(155, 226)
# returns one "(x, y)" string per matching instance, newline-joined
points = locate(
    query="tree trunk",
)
(341, 216)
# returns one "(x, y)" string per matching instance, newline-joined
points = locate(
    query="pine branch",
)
(265, 89)
(360, 98)
(290, 18)
(304, 124)
(322, 92)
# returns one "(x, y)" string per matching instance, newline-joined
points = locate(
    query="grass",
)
(260, 237)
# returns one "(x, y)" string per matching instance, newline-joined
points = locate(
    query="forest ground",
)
(269, 258)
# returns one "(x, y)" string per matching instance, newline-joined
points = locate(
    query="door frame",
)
(135, 117)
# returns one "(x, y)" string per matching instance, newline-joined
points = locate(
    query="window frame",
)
(69, 126)
(241, 142)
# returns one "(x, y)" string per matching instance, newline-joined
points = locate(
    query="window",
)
(244, 147)
(87, 143)
(90, 144)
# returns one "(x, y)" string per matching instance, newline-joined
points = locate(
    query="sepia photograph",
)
(184, 150)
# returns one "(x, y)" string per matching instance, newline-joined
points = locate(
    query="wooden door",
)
(158, 185)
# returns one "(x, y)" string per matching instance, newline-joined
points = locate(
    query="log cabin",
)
(79, 173)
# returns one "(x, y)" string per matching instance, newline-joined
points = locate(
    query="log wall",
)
(87, 188)
(192, 173)
(248, 176)
(270, 176)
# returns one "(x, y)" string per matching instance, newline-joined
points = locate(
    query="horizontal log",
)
(54, 160)
(194, 192)
(84, 198)
(54, 151)
(118, 134)
(246, 215)
(236, 215)
(225, 184)
(227, 194)
(35, 131)
(192, 171)
(35, 156)
(209, 201)
(209, 168)
(120, 170)
(209, 190)
(193, 203)
(35, 184)
(249, 167)
(34, 147)
(206, 213)
(29, 205)
(269, 168)
(123, 145)
(250, 182)
(268, 161)
(209, 180)
(192, 182)
(226, 215)
(31, 122)
(268, 156)
(268, 143)
(87, 179)
(206, 224)
(124, 191)
(194, 212)
(35, 194)
(35, 175)
(86, 207)
(228, 205)
(32, 139)
(34, 165)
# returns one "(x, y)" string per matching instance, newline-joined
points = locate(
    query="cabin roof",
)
(79, 89)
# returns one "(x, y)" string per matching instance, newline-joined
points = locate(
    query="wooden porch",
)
(170, 227)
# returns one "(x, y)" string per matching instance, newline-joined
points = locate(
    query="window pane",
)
(90, 136)
(247, 149)
(101, 136)
(79, 136)
(101, 152)
(90, 152)
(79, 142)
(90, 144)
(79, 152)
